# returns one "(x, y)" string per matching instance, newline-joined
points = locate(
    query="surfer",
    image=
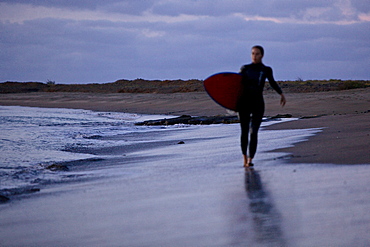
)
(251, 106)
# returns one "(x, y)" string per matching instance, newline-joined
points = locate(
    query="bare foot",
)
(245, 158)
(247, 161)
(250, 162)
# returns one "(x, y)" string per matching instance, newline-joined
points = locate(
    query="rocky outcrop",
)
(3, 199)
(186, 119)
(57, 167)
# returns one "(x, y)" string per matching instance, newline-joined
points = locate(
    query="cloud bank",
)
(100, 41)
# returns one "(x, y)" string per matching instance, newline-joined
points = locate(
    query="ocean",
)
(36, 142)
(33, 139)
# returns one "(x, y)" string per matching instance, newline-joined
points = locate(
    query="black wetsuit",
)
(251, 106)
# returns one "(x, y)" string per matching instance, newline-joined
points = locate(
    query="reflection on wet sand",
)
(266, 219)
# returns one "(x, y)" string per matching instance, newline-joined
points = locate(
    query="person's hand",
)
(282, 100)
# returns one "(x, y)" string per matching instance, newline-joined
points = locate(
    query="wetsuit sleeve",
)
(242, 69)
(272, 81)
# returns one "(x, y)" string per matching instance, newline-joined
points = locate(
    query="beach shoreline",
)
(343, 115)
(197, 193)
(167, 194)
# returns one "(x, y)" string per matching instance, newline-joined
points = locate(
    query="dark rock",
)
(181, 142)
(4, 199)
(282, 116)
(186, 119)
(33, 190)
(204, 120)
(313, 116)
(94, 137)
(57, 167)
(16, 191)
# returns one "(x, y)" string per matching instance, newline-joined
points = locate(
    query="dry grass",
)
(171, 86)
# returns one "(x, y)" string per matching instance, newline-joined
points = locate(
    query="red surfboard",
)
(225, 88)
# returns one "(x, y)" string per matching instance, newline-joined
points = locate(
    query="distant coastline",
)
(171, 86)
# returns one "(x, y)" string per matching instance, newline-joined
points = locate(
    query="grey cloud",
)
(100, 51)
(65, 50)
(129, 6)
(194, 7)
(361, 6)
(266, 8)
(72, 4)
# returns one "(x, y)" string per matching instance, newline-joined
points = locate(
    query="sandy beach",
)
(344, 115)
(315, 193)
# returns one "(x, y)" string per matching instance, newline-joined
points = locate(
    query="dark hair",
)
(259, 48)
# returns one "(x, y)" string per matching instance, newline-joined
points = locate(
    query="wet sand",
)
(189, 195)
(198, 103)
(198, 194)
(344, 115)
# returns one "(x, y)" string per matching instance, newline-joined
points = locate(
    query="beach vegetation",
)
(352, 85)
(140, 85)
(50, 82)
(299, 79)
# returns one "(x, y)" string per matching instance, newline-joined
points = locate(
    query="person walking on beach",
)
(251, 105)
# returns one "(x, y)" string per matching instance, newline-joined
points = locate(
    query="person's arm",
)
(242, 69)
(276, 87)
(282, 100)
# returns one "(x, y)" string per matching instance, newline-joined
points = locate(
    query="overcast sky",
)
(80, 41)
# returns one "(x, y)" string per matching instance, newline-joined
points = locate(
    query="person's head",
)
(257, 54)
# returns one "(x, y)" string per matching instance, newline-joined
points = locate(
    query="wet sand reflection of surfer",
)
(266, 220)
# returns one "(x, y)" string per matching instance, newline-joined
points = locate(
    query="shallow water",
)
(158, 193)
(32, 139)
